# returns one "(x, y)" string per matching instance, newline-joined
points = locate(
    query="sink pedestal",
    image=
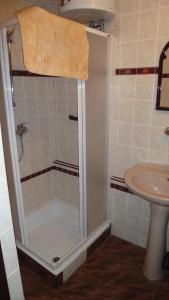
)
(156, 243)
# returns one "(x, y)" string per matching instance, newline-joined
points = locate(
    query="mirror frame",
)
(160, 69)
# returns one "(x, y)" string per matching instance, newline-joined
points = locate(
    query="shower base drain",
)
(56, 259)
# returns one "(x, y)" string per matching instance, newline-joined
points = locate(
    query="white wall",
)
(7, 238)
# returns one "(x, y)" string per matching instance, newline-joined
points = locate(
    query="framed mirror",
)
(162, 102)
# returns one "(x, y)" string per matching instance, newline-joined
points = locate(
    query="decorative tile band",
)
(137, 71)
(62, 163)
(36, 174)
(120, 71)
(118, 183)
(66, 171)
(165, 75)
(64, 168)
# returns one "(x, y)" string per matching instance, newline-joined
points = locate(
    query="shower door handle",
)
(73, 118)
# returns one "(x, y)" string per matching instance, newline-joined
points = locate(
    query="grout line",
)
(140, 11)
(153, 88)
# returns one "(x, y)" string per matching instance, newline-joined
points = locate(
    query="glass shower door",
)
(46, 131)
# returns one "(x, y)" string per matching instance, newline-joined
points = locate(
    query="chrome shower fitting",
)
(21, 129)
(9, 35)
(99, 25)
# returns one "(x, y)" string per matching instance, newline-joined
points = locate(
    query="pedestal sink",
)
(151, 182)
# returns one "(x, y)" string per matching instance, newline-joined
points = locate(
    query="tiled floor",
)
(113, 272)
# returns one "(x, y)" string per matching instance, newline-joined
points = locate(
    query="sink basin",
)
(150, 181)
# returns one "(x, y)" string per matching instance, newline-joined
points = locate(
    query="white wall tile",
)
(144, 87)
(137, 128)
(148, 24)
(141, 136)
(163, 22)
(129, 28)
(125, 111)
(146, 53)
(142, 112)
(126, 87)
(125, 134)
(133, 223)
(158, 140)
(128, 54)
(129, 6)
(144, 4)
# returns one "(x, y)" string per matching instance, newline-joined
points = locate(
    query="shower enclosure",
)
(56, 143)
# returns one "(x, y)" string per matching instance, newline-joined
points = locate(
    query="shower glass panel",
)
(96, 104)
(46, 123)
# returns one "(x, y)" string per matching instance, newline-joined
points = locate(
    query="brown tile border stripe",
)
(66, 171)
(119, 179)
(62, 163)
(24, 73)
(62, 169)
(137, 71)
(36, 174)
(118, 183)
(4, 291)
(120, 188)
(56, 280)
(165, 75)
(120, 71)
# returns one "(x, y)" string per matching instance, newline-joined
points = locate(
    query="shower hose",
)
(22, 147)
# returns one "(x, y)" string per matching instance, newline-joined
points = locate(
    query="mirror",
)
(162, 102)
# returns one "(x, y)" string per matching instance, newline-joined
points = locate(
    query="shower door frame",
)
(85, 240)
(12, 137)
(8, 101)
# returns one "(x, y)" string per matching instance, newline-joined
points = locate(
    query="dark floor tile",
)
(112, 272)
(163, 291)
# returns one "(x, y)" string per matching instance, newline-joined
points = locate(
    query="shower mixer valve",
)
(21, 129)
